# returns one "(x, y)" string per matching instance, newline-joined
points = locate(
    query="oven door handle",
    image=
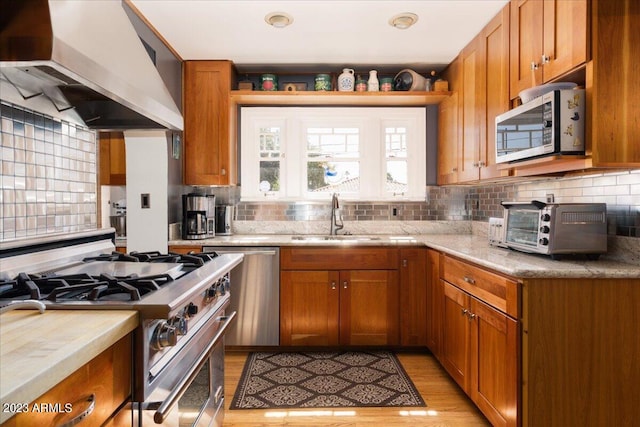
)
(167, 405)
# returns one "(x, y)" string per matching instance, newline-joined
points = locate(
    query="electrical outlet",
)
(550, 198)
(145, 201)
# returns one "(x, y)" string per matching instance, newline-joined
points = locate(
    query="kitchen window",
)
(304, 153)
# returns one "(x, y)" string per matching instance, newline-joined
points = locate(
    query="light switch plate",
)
(145, 201)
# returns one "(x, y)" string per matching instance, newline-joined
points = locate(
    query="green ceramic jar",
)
(386, 84)
(268, 82)
(323, 82)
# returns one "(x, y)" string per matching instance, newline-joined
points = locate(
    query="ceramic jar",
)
(268, 82)
(361, 85)
(386, 84)
(346, 80)
(373, 85)
(323, 82)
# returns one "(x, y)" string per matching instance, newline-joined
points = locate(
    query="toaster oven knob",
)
(545, 217)
(164, 335)
(544, 241)
(545, 229)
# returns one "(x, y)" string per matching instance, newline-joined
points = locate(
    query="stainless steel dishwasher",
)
(255, 295)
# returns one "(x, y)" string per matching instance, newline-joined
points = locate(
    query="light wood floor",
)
(447, 405)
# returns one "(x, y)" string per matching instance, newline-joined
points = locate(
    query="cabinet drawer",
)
(494, 289)
(338, 258)
(106, 378)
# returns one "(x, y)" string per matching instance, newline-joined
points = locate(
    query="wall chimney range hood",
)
(86, 58)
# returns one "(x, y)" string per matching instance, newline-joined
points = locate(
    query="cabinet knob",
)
(469, 280)
(405, 263)
(534, 65)
(223, 172)
(471, 316)
(344, 284)
(545, 59)
(464, 311)
(333, 285)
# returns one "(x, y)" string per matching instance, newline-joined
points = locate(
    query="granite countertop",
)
(37, 351)
(470, 247)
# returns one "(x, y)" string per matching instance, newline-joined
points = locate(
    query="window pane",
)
(333, 142)
(397, 176)
(269, 176)
(395, 139)
(269, 142)
(328, 177)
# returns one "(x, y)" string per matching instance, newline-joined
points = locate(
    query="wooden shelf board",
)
(412, 99)
(548, 165)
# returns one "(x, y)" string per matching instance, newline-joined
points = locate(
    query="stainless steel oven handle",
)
(167, 405)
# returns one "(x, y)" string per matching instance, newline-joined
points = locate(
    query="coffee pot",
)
(195, 222)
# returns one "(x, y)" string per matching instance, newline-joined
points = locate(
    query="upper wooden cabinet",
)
(210, 145)
(479, 78)
(113, 164)
(614, 131)
(548, 39)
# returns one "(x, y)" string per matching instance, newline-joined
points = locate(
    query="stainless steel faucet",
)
(336, 216)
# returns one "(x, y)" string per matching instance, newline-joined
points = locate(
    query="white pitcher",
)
(346, 80)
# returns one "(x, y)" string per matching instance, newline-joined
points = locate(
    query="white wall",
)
(147, 164)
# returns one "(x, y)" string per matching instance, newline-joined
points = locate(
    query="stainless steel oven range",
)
(182, 303)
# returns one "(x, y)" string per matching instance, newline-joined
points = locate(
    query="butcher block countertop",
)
(37, 351)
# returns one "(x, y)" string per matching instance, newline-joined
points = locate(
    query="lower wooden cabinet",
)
(339, 296)
(329, 308)
(413, 297)
(434, 291)
(185, 249)
(104, 384)
(480, 344)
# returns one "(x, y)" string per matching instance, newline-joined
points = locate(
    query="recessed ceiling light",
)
(278, 19)
(403, 21)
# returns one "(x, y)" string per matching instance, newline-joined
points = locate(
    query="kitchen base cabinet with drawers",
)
(94, 395)
(480, 337)
(539, 351)
(339, 296)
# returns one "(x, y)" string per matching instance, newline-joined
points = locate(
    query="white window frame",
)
(293, 174)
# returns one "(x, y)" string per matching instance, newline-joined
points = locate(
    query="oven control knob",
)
(211, 292)
(181, 324)
(164, 335)
(544, 241)
(545, 217)
(192, 309)
(545, 229)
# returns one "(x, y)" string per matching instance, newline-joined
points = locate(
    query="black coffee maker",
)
(195, 211)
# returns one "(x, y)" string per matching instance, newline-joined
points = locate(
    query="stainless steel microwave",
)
(550, 124)
(555, 228)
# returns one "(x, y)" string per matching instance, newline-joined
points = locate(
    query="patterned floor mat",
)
(324, 380)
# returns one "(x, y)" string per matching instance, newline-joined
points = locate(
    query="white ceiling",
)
(326, 33)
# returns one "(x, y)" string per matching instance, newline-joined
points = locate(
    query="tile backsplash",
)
(620, 190)
(47, 175)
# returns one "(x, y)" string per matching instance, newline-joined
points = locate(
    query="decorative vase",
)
(373, 85)
(346, 80)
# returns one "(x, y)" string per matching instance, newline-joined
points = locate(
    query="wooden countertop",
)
(37, 351)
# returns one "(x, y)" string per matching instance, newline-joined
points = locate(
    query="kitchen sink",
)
(343, 238)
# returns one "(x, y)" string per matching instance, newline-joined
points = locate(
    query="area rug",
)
(324, 380)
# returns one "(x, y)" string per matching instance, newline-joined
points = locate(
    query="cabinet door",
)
(495, 38)
(565, 36)
(472, 110)
(413, 297)
(209, 149)
(369, 309)
(494, 363)
(113, 161)
(309, 308)
(526, 44)
(449, 128)
(434, 302)
(455, 335)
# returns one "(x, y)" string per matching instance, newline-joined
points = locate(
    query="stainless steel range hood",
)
(85, 57)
